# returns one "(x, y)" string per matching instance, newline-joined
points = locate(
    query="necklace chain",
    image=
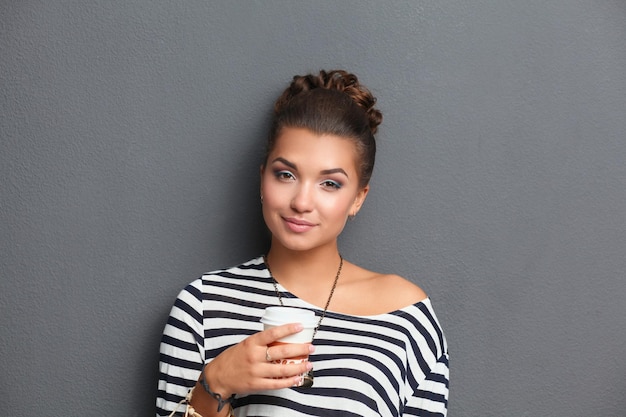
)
(330, 296)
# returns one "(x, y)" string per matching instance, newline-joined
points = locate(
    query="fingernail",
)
(309, 366)
(311, 348)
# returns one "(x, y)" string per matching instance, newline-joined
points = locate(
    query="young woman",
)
(378, 349)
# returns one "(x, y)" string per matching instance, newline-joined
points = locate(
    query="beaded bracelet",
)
(221, 402)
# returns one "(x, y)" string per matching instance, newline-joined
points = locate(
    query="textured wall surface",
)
(131, 135)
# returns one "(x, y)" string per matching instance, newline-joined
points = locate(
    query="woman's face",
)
(309, 186)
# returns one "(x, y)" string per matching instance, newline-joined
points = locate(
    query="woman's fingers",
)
(281, 351)
(273, 350)
(273, 334)
(283, 375)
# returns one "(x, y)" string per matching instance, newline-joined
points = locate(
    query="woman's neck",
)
(304, 270)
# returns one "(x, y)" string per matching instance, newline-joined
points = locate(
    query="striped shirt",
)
(393, 364)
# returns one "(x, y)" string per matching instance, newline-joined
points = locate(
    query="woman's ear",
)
(359, 200)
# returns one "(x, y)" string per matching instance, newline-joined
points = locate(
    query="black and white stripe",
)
(393, 364)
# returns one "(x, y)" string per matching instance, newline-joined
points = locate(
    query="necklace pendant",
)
(307, 380)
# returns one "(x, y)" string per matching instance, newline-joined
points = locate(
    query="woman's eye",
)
(331, 184)
(284, 175)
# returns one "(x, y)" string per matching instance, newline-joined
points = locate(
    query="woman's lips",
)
(298, 225)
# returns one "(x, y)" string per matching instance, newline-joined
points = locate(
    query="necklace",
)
(308, 379)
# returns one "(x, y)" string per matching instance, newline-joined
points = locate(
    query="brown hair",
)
(334, 103)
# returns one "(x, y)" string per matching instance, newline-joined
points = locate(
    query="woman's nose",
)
(303, 199)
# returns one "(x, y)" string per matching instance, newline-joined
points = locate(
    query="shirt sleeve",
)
(430, 399)
(181, 349)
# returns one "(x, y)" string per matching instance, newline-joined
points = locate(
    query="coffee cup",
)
(277, 316)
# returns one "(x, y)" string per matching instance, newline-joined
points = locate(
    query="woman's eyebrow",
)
(286, 162)
(334, 171)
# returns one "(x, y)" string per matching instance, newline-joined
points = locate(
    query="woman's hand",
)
(245, 368)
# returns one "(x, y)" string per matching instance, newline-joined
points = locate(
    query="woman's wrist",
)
(216, 392)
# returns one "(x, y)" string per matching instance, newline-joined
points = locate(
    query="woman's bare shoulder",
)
(378, 293)
(401, 285)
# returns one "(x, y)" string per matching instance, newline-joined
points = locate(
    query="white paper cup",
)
(277, 316)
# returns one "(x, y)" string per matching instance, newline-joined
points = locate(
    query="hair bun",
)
(338, 80)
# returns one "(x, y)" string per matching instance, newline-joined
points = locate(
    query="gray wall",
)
(131, 135)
